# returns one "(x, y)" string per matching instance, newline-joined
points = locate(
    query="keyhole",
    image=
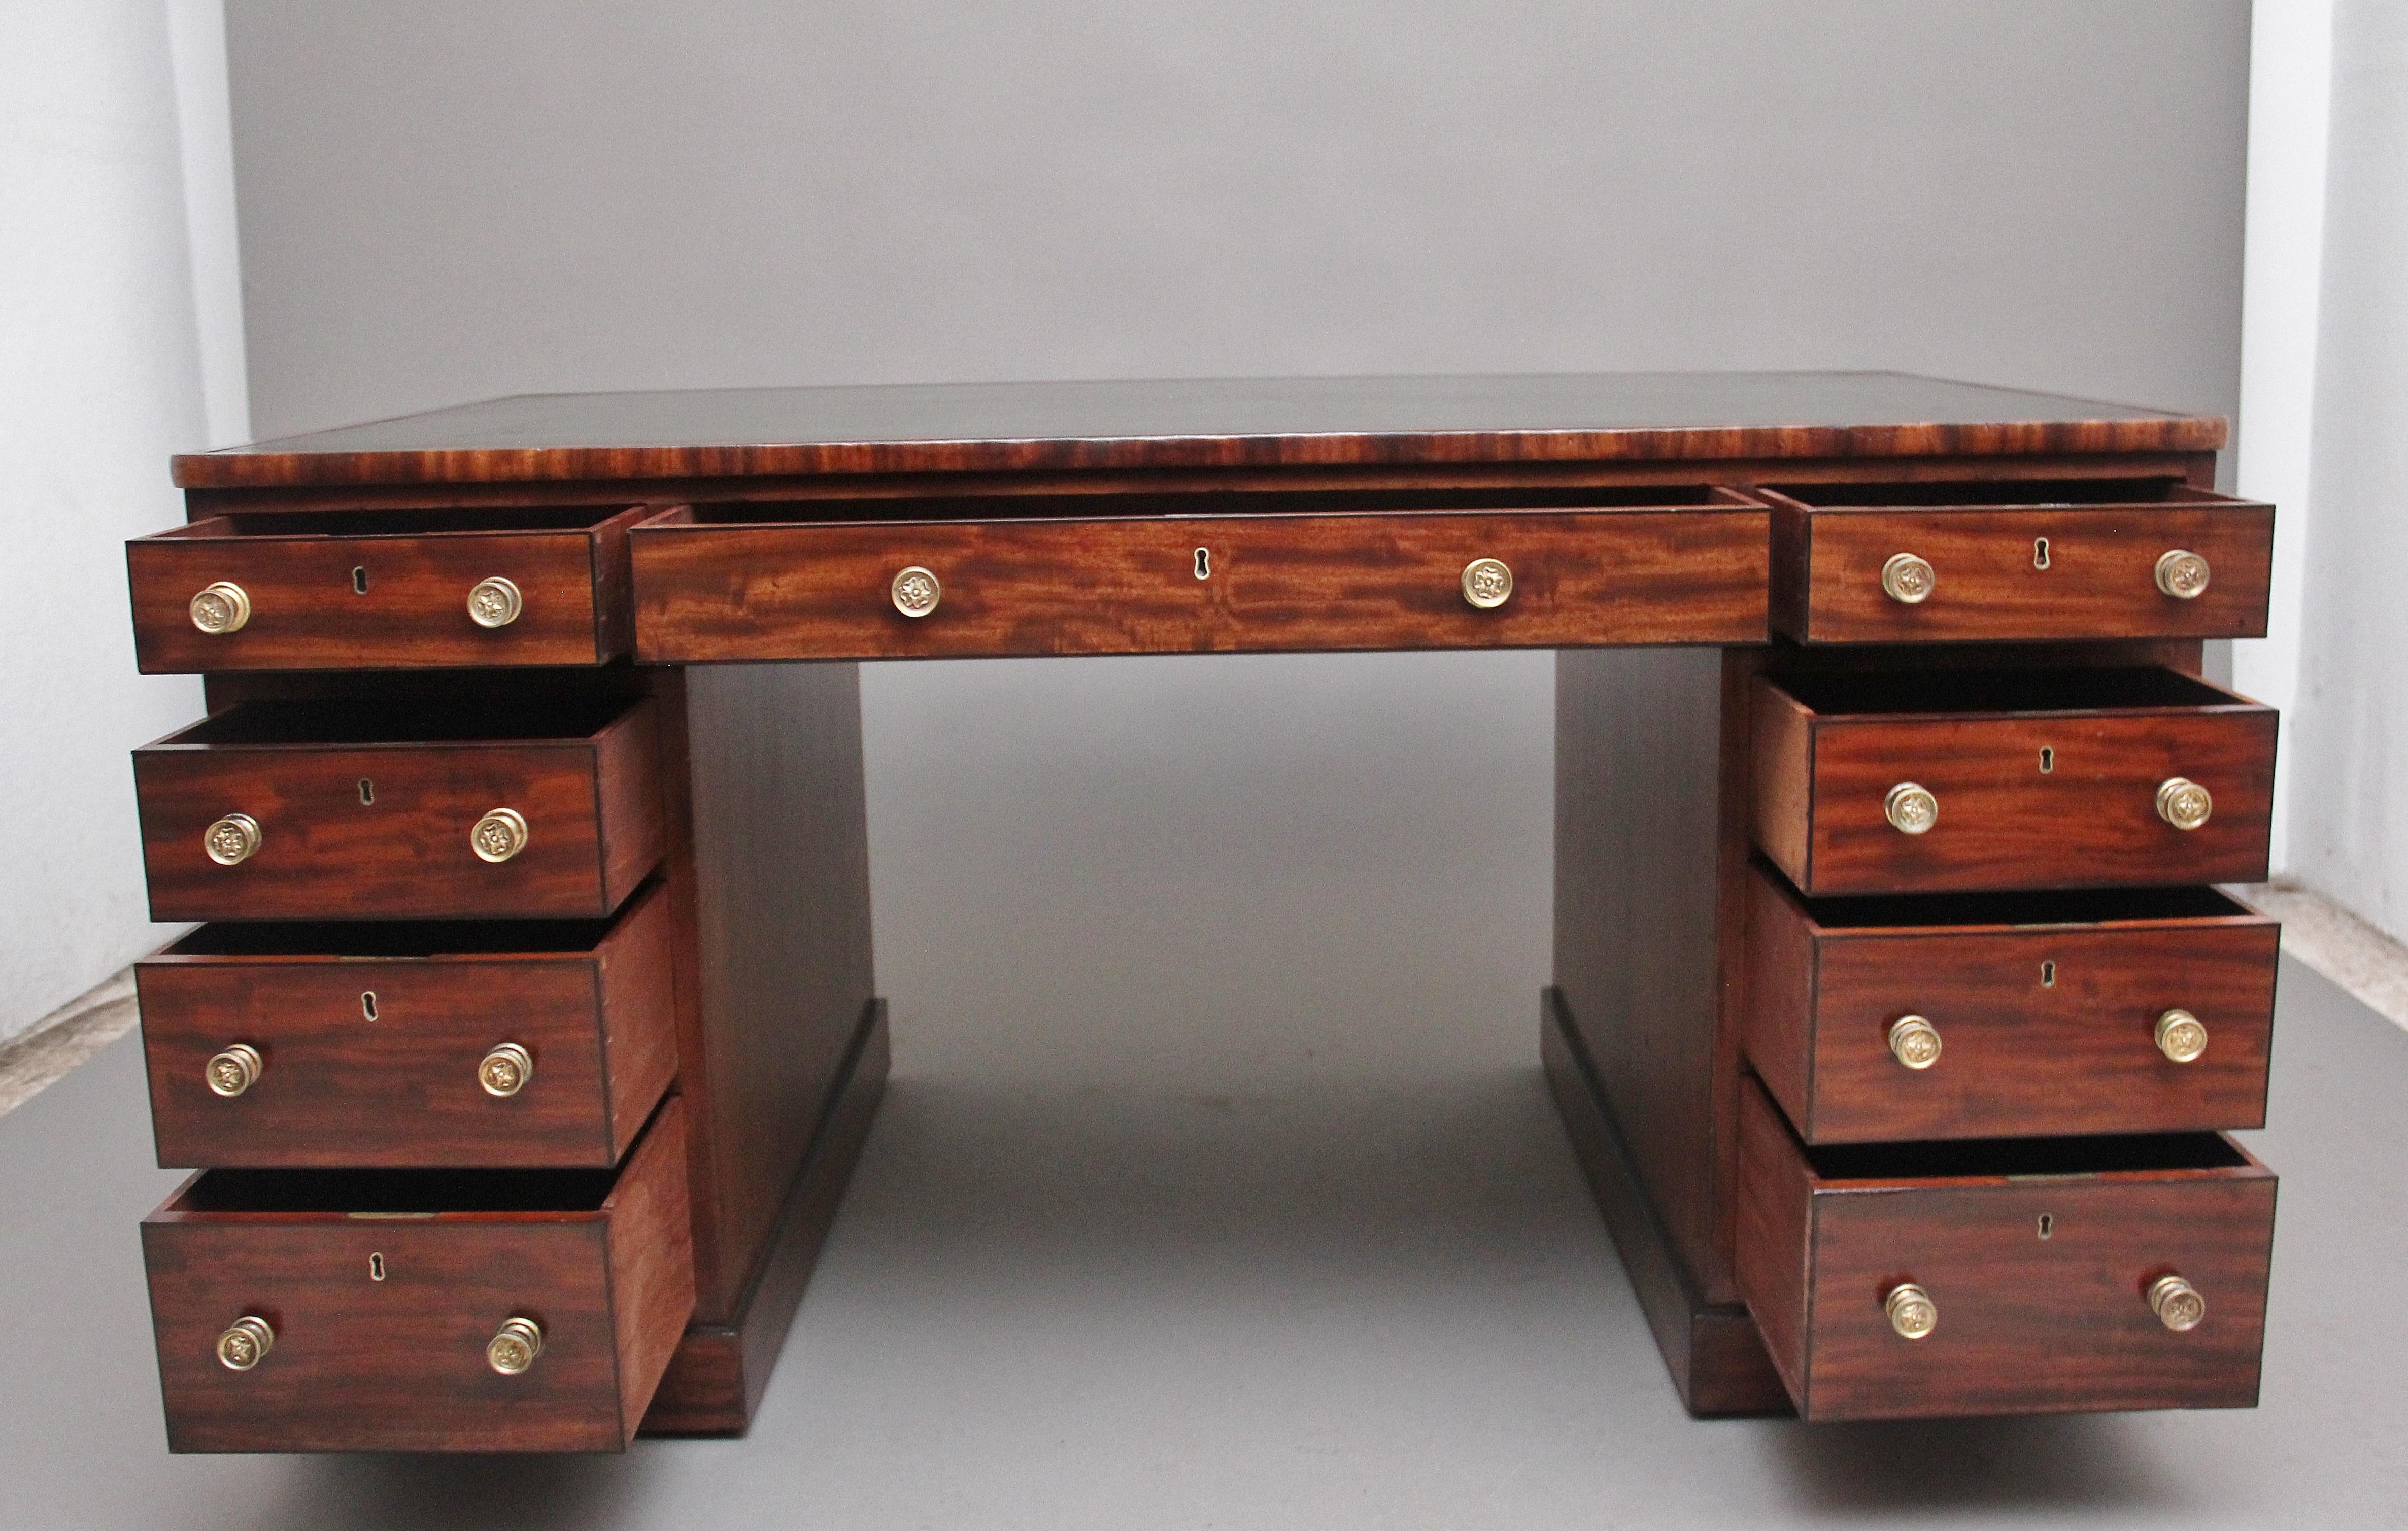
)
(2048, 975)
(2047, 1225)
(2048, 760)
(376, 1264)
(360, 580)
(368, 1004)
(1203, 562)
(2040, 553)
(367, 790)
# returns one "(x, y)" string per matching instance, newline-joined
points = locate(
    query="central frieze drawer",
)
(2037, 1275)
(1960, 781)
(303, 810)
(396, 1311)
(713, 584)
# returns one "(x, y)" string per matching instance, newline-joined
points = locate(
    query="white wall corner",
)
(197, 46)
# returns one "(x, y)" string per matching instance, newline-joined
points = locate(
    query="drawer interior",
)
(429, 521)
(2019, 495)
(394, 1192)
(1947, 691)
(2004, 1160)
(1216, 502)
(391, 720)
(2073, 907)
(336, 938)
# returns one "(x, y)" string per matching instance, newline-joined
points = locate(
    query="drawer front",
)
(404, 1061)
(2040, 1030)
(383, 602)
(2025, 1323)
(400, 846)
(2003, 574)
(379, 1326)
(1175, 585)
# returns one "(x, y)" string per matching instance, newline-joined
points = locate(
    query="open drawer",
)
(2085, 558)
(2040, 1276)
(487, 1311)
(1396, 569)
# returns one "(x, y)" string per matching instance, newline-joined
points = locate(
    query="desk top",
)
(1198, 424)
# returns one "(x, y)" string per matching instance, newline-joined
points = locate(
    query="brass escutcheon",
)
(514, 1346)
(498, 836)
(2181, 1036)
(233, 839)
(505, 1071)
(1911, 1312)
(2177, 1303)
(245, 1343)
(494, 602)
(2184, 803)
(2182, 574)
(221, 608)
(1915, 1041)
(915, 591)
(234, 1070)
(1911, 808)
(1488, 583)
(1908, 579)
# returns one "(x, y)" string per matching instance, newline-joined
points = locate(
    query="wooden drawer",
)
(382, 590)
(2046, 1010)
(367, 809)
(2038, 1257)
(382, 1289)
(2017, 560)
(384, 1045)
(2040, 779)
(712, 584)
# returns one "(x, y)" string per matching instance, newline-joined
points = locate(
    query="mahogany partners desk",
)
(527, 1040)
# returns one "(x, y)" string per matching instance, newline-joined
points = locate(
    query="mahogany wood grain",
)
(1975, 740)
(365, 592)
(2028, 1323)
(2047, 1006)
(372, 1035)
(708, 591)
(585, 781)
(602, 1263)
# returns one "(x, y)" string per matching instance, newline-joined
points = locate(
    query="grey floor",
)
(1337, 1307)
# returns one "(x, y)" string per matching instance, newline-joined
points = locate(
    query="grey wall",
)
(1169, 870)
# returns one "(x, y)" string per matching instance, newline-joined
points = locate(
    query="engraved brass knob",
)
(494, 602)
(234, 1070)
(2176, 1303)
(514, 1346)
(1911, 808)
(1908, 579)
(1915, 1041)
(221, 608)
(2181, 1037)
(2183, 803)
(233, 839)
(499, 836)
(916, 592)
(1488, 583)
(1911, 1312)
(505, 1071)
(245, 1343)
(2182, 574)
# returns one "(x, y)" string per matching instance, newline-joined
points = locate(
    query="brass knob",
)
(2183, 803)
(1915, 1041)
(233, 839)
(1911, 1312)
(2176, 1303)
(1488, 583)
(499, 836)
(2182, 575)
(245, 1343)
(1908, 579)
(514, 1346)
(505, 1071)
(494, 602)
(2181, 1037)
(221, 608)
(234, 1070)
(916, 592)
(1911, 808)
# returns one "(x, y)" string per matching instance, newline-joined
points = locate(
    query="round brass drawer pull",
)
(2177, 1303)
(2181, 1037)
(245, 1343)
(2182, 574)
(2183, 803)
(916, 592)
(1915, 1041)
(1911, 1312)
(233, 839)
(514, 1346)
(221, 608)
(499, 836)
(1488, 583)
(494, 602)
(234, 1070)
(505, 1071)
(1911, 808)
(1908, 579)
